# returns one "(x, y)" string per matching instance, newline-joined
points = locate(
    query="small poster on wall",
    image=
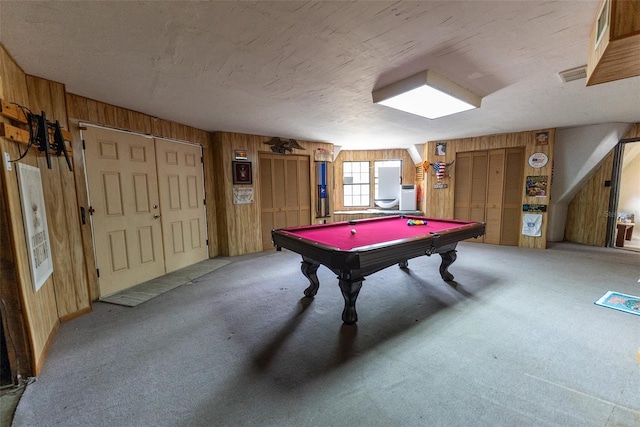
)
(530, 207)
(242, 195)
(537, 186)
(532, 225)
(35, 224)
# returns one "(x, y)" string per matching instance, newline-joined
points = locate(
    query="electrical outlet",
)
(7, 161)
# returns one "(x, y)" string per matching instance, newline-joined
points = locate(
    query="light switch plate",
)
(7, 161)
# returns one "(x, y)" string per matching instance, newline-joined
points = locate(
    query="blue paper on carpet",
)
(622, 302)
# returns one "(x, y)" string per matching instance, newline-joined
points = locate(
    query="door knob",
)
(156, 216)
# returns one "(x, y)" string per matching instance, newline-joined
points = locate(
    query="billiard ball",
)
(353, 231)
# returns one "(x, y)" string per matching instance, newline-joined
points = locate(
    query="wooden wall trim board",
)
(82, 198)
(210, 193)
(440, 202)
(76, 314)
(45, 350)
(12, 111)
(216, 160)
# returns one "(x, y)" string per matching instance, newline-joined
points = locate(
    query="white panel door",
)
(181, 203)
(123, 191)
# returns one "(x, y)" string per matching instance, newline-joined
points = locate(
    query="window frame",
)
(353, 185)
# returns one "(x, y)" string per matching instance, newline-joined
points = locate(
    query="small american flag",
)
(441, 170)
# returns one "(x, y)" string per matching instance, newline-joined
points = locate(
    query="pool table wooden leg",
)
(350, 289)
(309, 268)
(447, 259)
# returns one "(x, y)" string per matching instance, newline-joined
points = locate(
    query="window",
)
(376, 180)
(356, 183)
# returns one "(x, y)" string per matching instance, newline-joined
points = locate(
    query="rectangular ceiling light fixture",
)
(427, 94)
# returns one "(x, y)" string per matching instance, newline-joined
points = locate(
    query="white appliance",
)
(408, 197)
(388, 192)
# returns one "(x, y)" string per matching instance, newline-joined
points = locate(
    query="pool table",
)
(355, 249)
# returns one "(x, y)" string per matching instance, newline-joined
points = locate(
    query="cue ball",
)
(353, 231)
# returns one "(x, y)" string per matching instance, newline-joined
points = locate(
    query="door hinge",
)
(207, 242)
(204, 202)
(202, 160)
(98, 271)
(84, 146)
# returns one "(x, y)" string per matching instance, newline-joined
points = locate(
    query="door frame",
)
(614, 198)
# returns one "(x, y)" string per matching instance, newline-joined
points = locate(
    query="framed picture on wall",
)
(542, 138)
(35, 224)
(240, 154)
(537, 186)
(242, 173)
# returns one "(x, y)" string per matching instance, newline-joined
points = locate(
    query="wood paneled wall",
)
(31, 321)
(104, 114)
(589, 209)
(14, 268)
(634, 132)
(83, 109)
(439, 202)
(70, 281)
(408, 169)
(239, 226)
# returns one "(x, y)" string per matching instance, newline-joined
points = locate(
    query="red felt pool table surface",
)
(375, 231)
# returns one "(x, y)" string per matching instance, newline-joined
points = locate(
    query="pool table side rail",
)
(376, 219)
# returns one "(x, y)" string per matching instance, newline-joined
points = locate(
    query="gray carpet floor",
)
(518, 341)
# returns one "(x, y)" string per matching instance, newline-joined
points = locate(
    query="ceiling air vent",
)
(574, 74)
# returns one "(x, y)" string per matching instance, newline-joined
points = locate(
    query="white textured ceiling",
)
(306, 69)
